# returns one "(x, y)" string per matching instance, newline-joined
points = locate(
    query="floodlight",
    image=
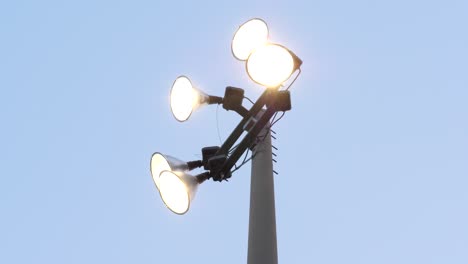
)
(271, 65)
(185, 98)
(250, 35)
(177, 189)
(160, 163)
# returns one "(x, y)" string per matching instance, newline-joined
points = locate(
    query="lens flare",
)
(251, 35)
(270, 65)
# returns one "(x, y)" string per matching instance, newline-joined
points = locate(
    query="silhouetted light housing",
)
(250, 35)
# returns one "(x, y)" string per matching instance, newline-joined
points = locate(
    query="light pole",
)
(269, 65)
(262, 220)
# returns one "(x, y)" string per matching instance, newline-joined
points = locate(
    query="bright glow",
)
(158, 164)
(184, 98)
(174, 192)
(251, 35)
(270, 65)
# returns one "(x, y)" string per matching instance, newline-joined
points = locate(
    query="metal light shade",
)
(185, 98)
(177, 190)
(271, 65)
(250, 35)
(160, 163)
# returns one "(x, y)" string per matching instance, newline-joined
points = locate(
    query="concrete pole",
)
(262, 248)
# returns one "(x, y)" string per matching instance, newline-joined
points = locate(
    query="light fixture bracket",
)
(215, 164)
(233, 98)
(207, 153)
(203, 177)
(280, 101)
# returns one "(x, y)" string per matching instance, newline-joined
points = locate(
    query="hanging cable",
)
(275, 121)
(248, 99)
(217, 124)
(295, 78)
(245, 161)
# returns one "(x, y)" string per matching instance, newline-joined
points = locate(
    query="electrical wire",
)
(272, 123)
(275, 121)
(217, 125)
(245, 157)
(245, 161)
(295, 78)
(248, 99)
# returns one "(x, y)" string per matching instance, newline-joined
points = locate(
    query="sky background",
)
(372, 160)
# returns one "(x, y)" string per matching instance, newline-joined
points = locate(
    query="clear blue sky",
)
(372, 160)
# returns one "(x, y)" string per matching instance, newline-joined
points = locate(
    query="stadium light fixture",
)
(267, 64)
(160, 162)
(270, 65)
(177, 189)
(250, 35)
(185, 98)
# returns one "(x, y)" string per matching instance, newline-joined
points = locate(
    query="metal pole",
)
(262, 248)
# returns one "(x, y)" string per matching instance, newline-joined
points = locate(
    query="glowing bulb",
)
(158, 164)
(177, 190)
(250, 35)
(270, 65)
(184, 98)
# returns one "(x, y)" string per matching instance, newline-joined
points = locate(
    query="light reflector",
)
(160, 163)
(270, 65)
(184, 98)
(250, 35)
(177, 189)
